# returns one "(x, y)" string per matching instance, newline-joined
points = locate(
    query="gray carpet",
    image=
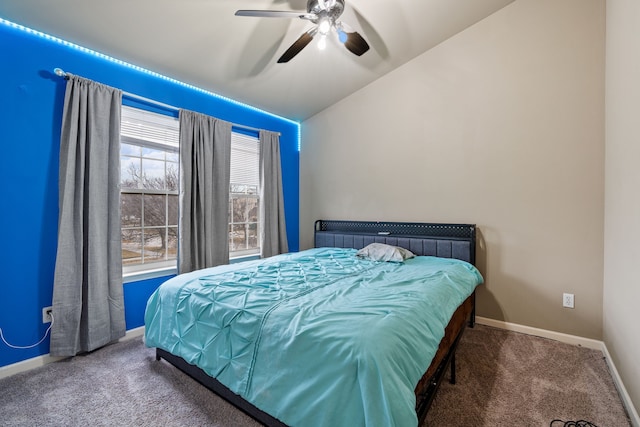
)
(504, 379)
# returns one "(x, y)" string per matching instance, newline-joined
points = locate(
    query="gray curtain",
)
(273, 227)
(205, 155)
(88, 303)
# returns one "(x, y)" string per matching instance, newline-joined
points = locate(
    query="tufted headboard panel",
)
(430, 239)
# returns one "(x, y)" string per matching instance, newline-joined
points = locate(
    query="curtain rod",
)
(60, 72)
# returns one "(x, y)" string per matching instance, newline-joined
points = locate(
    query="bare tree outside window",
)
(149, 213)
(244, 208)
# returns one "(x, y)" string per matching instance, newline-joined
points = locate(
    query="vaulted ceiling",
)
(201, 42)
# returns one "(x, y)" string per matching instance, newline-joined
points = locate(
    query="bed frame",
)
(442, 240)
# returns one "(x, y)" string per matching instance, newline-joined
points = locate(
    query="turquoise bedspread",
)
(315, 338)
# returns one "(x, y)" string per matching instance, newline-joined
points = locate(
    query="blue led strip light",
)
(143, 70)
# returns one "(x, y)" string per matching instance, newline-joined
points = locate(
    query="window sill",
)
(136, 276)
(244, 258)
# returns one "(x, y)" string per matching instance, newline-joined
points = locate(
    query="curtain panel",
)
(88, 301)
(205, 156)
(272, 221)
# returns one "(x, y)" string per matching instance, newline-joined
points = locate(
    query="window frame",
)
(142, 271)
(240, 138)
(166, 267)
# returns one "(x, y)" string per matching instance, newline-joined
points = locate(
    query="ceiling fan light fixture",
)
(324, 26)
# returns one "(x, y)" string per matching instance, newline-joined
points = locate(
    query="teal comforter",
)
(315, 338)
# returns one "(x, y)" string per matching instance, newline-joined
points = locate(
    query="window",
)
(149, 190)
(149, 186)
(244, 200)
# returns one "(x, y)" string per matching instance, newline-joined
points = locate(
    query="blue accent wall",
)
(30, 115)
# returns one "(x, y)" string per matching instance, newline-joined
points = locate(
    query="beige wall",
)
(622, 185)
(503, 126)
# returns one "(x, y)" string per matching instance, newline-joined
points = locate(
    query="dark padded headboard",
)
(442, 240)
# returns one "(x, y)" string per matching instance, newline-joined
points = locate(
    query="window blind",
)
(245, 151)
(142, 127)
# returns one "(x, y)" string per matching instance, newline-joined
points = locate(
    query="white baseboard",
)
(36, 362)
(27, 365)
(631, 410)
(575, 340)
(133, 333)
(558, 336)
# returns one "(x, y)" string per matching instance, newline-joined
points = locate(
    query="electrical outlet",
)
(46, 314)
(567, 300)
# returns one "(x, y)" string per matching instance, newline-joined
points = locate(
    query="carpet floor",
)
(506, 378)
(503, 379)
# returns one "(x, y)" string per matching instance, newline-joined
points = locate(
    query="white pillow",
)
(382, 252)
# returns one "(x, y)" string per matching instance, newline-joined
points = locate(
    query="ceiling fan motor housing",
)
(332, 12)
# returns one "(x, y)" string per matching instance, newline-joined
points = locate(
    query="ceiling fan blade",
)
(351, 38)
(275, 14)
(298, 45)
(356, 43)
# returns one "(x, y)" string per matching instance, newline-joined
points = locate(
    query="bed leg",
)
(453, 368)
(157, 356)
(472, 318)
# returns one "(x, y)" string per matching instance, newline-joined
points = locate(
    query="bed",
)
(324, 336)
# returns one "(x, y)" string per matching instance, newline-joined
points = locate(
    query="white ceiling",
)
(201, 42)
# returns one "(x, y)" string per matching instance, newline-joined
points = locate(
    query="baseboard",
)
(558, 336)
(575, 340)
(36, 362)
(27, 365)
(133, 333)
(624, 395)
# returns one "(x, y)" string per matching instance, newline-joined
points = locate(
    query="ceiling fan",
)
(324, 14)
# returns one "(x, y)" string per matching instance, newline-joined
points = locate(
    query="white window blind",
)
(142, 127)
(245, 151)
